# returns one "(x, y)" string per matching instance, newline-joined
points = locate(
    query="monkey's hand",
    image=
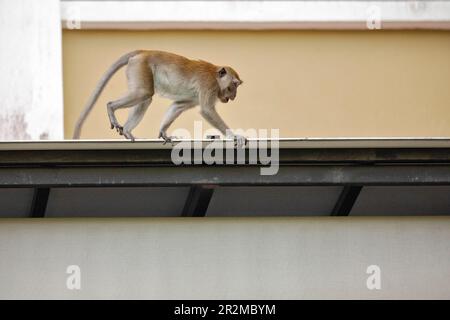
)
(239, 141)
(166, 138)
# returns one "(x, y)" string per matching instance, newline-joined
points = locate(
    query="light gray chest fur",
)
(172, 86)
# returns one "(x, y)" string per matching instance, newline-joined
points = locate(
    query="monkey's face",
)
(229, 82)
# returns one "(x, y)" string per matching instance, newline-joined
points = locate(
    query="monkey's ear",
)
(222, 72)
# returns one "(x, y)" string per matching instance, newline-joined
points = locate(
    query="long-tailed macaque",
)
(187, 82)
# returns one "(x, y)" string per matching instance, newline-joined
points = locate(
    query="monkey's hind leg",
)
(127, 101)
(135, 116)
(140, 90)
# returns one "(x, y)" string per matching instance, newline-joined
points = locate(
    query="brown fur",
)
(187, 82)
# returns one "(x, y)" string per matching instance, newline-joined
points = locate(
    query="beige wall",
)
(306, 83)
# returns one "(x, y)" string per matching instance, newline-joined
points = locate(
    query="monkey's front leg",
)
(172, 113)
(210, 114)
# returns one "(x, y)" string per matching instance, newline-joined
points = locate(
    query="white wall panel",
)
(217, 258)
(30, 70)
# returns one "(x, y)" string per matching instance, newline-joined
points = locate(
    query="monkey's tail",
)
(123, 61)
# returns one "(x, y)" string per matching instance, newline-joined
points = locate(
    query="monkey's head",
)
(228, 81)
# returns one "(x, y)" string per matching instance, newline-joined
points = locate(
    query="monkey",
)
(188, 83)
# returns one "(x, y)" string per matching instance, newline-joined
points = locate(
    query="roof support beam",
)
(346, 201)
(39, 204)
(294, 175)
(197, 201)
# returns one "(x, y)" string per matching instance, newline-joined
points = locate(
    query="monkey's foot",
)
(118, 128)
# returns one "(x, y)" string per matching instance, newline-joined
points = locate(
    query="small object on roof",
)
(213, 137)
